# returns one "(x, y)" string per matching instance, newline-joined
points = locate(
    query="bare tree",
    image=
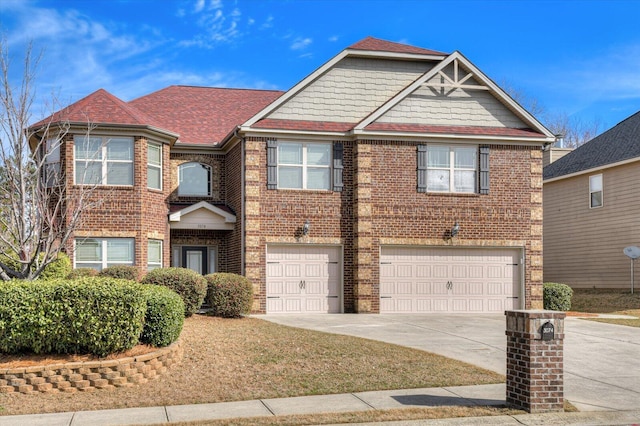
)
(39, 211)
(574, 131)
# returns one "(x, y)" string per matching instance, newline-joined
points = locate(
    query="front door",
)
(195, 258)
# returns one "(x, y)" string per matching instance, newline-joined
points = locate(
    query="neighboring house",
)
(339, 195)
(592, 210)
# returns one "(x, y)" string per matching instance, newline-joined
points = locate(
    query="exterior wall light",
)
(306, 227)
(454, 231)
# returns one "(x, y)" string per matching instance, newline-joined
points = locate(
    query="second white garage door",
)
(303, 279)
(428, 279)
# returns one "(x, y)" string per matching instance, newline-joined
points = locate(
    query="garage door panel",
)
(303, 279)
(448, 279)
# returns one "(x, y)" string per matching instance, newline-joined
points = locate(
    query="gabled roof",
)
(618, 144)
(100, 107)
(378, 45)
(203, 115)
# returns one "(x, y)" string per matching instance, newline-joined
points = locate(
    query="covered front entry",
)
(437, 279)
(304, 279)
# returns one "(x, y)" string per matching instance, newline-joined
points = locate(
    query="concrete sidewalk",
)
(483, 395)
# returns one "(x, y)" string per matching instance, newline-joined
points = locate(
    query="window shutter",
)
(484, 169)
(338, 155)
(422, 168)
(272, 164)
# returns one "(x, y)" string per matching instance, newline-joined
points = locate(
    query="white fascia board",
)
(306, 133)
(394, 55)
(228, 217)
(592, 170)
(295, 89)
(462, 138)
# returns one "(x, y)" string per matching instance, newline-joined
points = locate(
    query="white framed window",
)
(154, 254)
(100, 253)
(202, 259)
(103, 160)
(154, 165)
(304, 165)
(52, 162)
(596, 198)
(452, 168)
(194, 180)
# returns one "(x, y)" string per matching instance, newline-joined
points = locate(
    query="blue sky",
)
(580, 58)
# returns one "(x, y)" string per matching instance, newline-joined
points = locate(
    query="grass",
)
(245, 359)
(616, 301)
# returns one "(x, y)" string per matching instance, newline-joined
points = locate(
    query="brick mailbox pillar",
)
(535, 370)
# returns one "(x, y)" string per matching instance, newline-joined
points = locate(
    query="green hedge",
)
(229, 295)
(164, 318)
(59, 268)
(88, 315)
(82, 272)
(557, 297)
(190, 285)
(123, 272)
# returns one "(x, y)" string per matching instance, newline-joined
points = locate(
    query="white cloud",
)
(198, 6)
(215, 24)
(268, 23)
(301, 43)
(333, 39)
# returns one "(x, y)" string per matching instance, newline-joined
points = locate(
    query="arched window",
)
(194, 180)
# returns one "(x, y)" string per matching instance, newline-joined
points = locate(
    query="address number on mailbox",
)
(547, 331)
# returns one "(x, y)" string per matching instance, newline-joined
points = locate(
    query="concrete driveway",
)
(601, 361)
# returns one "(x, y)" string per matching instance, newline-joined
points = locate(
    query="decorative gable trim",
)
(459, 81)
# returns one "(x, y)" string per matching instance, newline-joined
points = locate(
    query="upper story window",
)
(194, 180)
(52, 162)
(452, 168)
(304, 165)
(154, 165)
(595, 191)
(100, 253)
(103, 160)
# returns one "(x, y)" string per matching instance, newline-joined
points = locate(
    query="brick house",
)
(391, 179)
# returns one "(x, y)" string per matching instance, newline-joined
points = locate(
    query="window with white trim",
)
(154, 165)
(194, 180)
(52, 162)
(452, 168)
(595, 191)
(304, 165)
(103, 160)
(100, 253)
(154, 254)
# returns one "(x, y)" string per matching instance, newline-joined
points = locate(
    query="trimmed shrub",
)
(123, 272)
(81, 272)
(59, 268)
(164, 318)
(89, 315)
(190, 285)
(229, 295)
(557, 297)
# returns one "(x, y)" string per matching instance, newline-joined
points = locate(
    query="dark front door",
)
(195, 258)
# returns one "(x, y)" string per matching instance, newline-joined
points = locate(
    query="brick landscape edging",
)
(87, 376)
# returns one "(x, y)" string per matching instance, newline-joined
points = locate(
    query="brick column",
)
(363, 241)
(535, 371)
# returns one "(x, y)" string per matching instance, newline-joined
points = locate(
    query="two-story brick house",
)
(391, 179)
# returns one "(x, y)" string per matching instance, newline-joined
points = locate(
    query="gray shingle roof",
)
(619, 143)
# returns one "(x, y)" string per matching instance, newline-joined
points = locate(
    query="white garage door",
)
(303, 279)
(449, 280)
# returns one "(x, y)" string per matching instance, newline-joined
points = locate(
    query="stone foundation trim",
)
(88, 376)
